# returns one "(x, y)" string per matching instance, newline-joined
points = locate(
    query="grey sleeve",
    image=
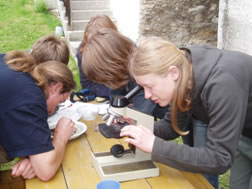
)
(226, 103)
(164, 129)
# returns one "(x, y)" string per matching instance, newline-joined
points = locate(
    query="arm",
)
(226, 122)
(226, 109)
(143, 138)
(46, 164)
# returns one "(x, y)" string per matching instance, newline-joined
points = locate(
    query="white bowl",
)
(80, 128)
(88, 112)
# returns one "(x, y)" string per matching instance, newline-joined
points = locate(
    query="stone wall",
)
(235, 25)
(183, 22)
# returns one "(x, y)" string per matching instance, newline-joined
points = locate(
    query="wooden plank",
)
(99, 143)
(204, 181)
(77, 170)
(77, 165)
(58, 181)
(169, 178)
(197, 180)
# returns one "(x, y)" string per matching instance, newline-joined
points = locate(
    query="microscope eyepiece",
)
(119, 101)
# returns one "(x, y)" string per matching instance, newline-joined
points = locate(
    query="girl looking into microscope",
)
(205, 83)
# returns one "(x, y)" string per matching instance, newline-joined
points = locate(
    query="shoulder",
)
(17, 89)
(26, 123)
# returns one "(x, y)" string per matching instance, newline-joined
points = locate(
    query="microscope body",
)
(139, 118)
(132, 165)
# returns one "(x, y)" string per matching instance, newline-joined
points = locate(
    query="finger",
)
(125, 133)
(128, 127)
(29, 174)
(131, 141)
(22, 167)
(32, 175)
(132, 129)
(131, 134)
(15, 169)
(27, 170)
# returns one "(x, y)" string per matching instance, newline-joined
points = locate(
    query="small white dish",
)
(80, 128)
(102, 106)
(88, 112)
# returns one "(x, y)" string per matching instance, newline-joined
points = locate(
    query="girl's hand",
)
(23, 168)
(64, 129)
(139, 136)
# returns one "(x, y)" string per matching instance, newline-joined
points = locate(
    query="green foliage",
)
(73, 66)
(22, 2)
(21, 26)
(41, 6)
(224, 180)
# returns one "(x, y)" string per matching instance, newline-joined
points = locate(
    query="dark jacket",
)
(222, 98)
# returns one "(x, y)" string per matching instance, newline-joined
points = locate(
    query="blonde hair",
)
(105, 59)
(155, 55)
(49, 48)
(45, 74)
(94, 24)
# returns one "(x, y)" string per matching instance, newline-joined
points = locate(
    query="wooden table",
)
(77, 172)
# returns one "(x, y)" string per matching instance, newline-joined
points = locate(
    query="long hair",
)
(155, 55)
(45, 74)
(105, 59)
(96, 23)
(49, 48)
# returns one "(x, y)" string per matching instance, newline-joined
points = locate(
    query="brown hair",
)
(155, 55)
(45, 74)
(49, 48)
(105, 59)
(96, 23)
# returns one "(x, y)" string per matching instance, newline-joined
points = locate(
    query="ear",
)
(174, 72)
(55, 88)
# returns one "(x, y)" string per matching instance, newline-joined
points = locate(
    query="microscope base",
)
(128, 167)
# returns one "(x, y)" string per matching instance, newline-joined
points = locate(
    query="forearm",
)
(183, 157)
(46, 164)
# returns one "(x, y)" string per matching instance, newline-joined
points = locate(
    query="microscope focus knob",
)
(117, 150)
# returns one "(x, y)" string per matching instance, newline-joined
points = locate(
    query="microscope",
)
(130, 164)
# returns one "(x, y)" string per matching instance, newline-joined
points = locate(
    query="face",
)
(159, 89)
(55, 97)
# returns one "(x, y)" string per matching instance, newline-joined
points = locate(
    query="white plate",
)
(70, 113)
(80, 128)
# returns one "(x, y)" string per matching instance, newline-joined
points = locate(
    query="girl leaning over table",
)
(29, 92)
(202, 82)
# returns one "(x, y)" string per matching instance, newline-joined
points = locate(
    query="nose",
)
(147, 93)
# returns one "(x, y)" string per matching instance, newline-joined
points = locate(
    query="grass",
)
(73, 66)
(22, 23)
(41, 6)
(21, 26)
